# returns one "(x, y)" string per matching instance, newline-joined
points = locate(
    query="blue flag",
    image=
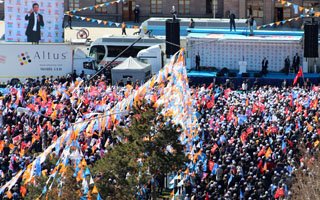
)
(44, 190)
(38, 167)
(230, 179)
(214, 170)
(87, 172)
(283, 145)
(241, 194)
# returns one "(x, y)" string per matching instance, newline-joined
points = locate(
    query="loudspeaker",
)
(232, 74)
(224, 70)
(311, 40)
(245, 75)
(257, 75)
(172, 37)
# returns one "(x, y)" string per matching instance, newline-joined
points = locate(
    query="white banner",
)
(228, 53)
(24, 61)
(16, 25)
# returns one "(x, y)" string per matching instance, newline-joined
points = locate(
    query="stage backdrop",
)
(227, 53)
(16, 25)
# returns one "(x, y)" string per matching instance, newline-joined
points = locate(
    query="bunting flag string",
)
(279, 22)
(105, 22)
(106, 4)
(296, 8)
(173, 95)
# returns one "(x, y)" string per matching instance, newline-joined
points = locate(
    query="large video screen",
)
(34, 21)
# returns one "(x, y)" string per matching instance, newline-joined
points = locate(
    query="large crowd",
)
(33, 114)
(251, 140)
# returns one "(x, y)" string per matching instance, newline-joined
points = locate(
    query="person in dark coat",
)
(136, 14)
(296, 63)
(198, 62)
(232, 22)
(68, 23)
(191, 23)
(264, 68)
(35, 21)
(287, 65)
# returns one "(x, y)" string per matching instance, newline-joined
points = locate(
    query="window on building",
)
(255, 8)
(156, 6)
(102, 9)
(311, 4)
(74, 4)
(282, 11)
(184, 7)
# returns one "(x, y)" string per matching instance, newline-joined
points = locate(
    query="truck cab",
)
(106, 49)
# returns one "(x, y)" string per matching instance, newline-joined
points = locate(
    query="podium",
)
(305, 67)
(242, 67)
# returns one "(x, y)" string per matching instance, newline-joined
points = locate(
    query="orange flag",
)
(79, 176)
(309, 127)
(95, 190)
(1, 145)
(268, 153)
(9, 194)
(11, 146)
(23, 191)
(316, 143)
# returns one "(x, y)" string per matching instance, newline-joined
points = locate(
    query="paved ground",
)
(95, 32)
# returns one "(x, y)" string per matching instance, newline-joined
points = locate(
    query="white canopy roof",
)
(132, 64)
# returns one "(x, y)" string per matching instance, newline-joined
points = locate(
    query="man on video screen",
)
(35, 20)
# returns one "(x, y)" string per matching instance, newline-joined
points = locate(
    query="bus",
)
(104, 50)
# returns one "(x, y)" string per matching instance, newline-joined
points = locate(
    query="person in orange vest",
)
(123, 27)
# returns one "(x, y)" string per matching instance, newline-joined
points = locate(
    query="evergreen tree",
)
(151, 148)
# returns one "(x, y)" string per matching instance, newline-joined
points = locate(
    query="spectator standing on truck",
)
(136, 14)
(232, 22)
(123, 27)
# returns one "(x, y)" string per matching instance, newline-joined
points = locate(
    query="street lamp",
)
(214, 8)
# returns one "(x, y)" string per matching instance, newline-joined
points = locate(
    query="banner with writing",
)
(16, 24)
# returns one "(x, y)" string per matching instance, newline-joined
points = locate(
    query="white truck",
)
(22, 61)
(149, 50)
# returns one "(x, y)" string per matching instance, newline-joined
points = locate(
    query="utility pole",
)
(214, 7)
(213, 2)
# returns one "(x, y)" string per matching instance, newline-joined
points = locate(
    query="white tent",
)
(132, 68)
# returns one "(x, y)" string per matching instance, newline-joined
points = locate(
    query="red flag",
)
(214, 148)
(243, 137)
(315, 88)
(207, 196)
(279, 193)
(259, 132)
(262, 152)
(211, 164)
(226, 93)
(16, 139)
(299, 74)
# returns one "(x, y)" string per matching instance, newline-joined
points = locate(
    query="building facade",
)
(264, 11)
(268, 11)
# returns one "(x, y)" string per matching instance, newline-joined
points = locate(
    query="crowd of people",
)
(250, 141)
(35, 113)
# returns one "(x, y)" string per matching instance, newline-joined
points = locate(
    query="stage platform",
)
(244, 31)
(273, 78)
(158, 25)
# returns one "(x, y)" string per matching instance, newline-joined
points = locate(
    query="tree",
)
(151, 147)
(63, 186)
